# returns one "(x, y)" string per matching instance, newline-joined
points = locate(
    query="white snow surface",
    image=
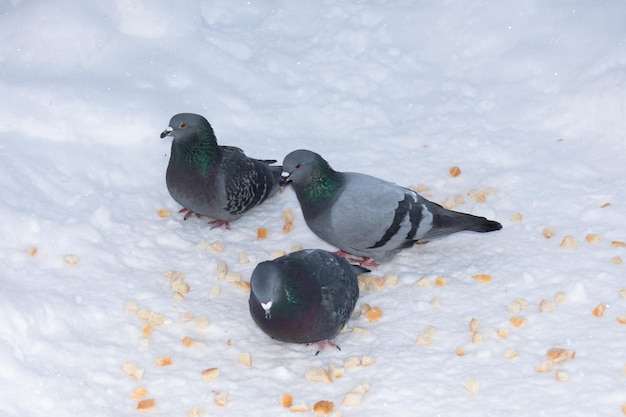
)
(526, 97)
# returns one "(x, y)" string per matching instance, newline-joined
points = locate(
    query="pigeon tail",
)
(485, 226)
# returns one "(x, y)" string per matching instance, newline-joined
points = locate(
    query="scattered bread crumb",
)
(288, 218)
(391, 279)
(300, 408)
(472, 386)
(477, 338)
(555, 354)
(560, 297)
(286, 400)
(245, 359)
(593, 238)
(233, 276)
(517, 217)
(296, 248)
(139, 393)
(374, 314)
(618, 244)
(215, 290)
(221, 398)
(621, 319)
(510, 353)
(70, 259)
(277, 253)
(210, 374)
(474, 325)
(486, 278)
(146, 404)
(335, 371)
(561, 376)
(317, 374)
(545, 366)
(459, 199)
(261, 233)
(222, 269)
(548, 232)
(459, 351)
(607, 204)
(323, 407)
(195, 412)
(361, 331)
(617, 260)
(569, 242)
(131, 306)
(189, 342)
(146, 330)
(186, 317)
(622, 293)
(441, 281)
(423, 282)
(243, 258)
(202, 322)
(547, 305)
(163, 213)
(424, 340)
(132, 370)
(32, 251)
(448, 203)
(518, 321)
(367, 360)
(218, 246)
(434, 302)
(156, 318)
(599, 310)
(352, 361)
(242, 285)
(503, 332)
(163, 361)
(454, 171)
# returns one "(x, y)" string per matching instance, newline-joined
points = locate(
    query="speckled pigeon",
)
(367, 216)
(219, 182)
(305, 296)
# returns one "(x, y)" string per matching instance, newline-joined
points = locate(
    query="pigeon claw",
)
(324, 344)
(188, 213)
(358, 260)
(219, 223)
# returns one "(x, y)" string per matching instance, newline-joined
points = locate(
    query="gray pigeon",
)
(219, 182)
(366, 216)
(304, 297)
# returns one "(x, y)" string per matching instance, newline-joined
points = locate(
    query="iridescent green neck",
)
(322, 188)
(199, 152)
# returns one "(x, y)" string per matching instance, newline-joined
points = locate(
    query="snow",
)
(526, 97)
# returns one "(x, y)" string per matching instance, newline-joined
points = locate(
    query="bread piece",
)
(556, 354)
(300, 408)
(146, 404)
(593, 238)
(245, 359)
(286, 400)
(202, 322)
(210, 374)
(472, 386)
(132, 370)
(222, 269)
(335, 371)
(361, 331)
(548, 232)
(131, 306)
(317, 374)
(569, 242)
(352, 399)
(454, 171)
(561, 376)
(243, 258)
(277, 253)
(146, 330)
(163, 213)
(186, 317)
(70, 259)
(441, 281)
(547, 306)
(242, 285)
(221, 398)
(448, 203)
(352, 361)
(367, 360)
(545, 366)
(323, 407)
(459, 351)
(618, 244)
(163, 361)
(486, 278)
(435, 303)
(139, 393)
(622, 293)
(503, 332)
(517, 217)
(474, 325)
(621, 319)
(390, 279)
(617, 260)
(599, 310)
(261, 233)
(195, 412)
(32, 251)
(477, 338)
(215, 290)
(156, 318)
(374, 314)
(560, 297)
(233, 276)
(510, 353)
(218, 246)
(424, 340)
(423, 282)
(518, 321)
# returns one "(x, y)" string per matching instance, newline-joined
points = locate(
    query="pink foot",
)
(324, 344)
(188, 213)
(359, 260)
(219, 223)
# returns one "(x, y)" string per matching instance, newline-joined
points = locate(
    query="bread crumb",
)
(131, 306)
(618, 244)
(352, 399)
(222, 269)
(286, 400)
(146, 330)
(434, 302)
(454, 171)
(245, 359)
(503, 332)
(288, 218)
(561, 376)
(477, 338)
(448, 203)
(296, 248)
(163, 213)
(548, 232)
(70, 259)
(132, 370)
(390, 279)
(367, 360)
(607, 204)
(545, 366)
(139, 393)
(474, 325)
(195, 412)
(335, 371)
(277, 254)
(518, 321)
(617, 260)
(472, 386)
(424, 340)
(621, 319)
(189, 342)
(547, 306)
(221, 398)
(486, 278)
(556, 355)
(218, 246)
(145, 341)
(261, 233)
(599, 310)
(300, 408)
(459, 351)
(517, 217)
(361, 331)
(441, 281)
(423, 282)
(32, 251)
(163, 361)
(186, 317)
(232, 276)
(243, 258)
(156, 318)
(593, 238)
(352, 361)
(323, 407)
(459, 199)
(202, 322)
(560, 297)
(317, 374)
(147, 404)
(210, 374)
(374, 314)
(569, 242)
(510, 353)
(242, 285)
(215, 290)
(622, 293)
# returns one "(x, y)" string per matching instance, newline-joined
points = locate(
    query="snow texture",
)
(527, 98)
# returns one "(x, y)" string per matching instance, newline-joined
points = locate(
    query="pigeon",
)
(366, 216)
(219, 182)
(304, 297)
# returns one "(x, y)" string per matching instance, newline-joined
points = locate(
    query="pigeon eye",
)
(182, 125)
(298, 166)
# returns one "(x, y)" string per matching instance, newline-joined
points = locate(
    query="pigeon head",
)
(266, 285)
(184, 124)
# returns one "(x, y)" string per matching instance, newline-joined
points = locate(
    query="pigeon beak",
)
(267, 307)
(167, 132)
(284, 178)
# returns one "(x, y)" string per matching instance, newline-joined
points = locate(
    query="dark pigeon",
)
(367, 216)
(219, 182)
(304, 297)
